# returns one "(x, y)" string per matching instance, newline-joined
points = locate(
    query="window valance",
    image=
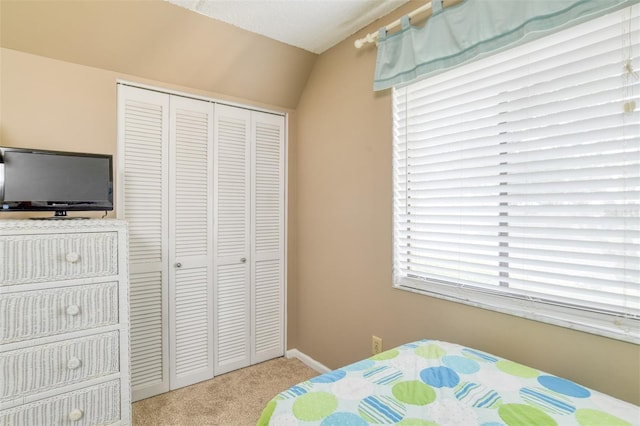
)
(473, 29)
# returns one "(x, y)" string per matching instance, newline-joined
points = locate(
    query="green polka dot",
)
(385, 355)
(521, 414)
(267, 413)
(416, 422)
(414, 392)
(314, 406)
(516, 369)
(431, 351)
(588, 417)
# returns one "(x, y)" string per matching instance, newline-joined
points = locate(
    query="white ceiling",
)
(313, 25)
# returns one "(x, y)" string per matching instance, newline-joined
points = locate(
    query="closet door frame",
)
(120, 214)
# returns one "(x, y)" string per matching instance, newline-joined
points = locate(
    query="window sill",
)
(606, 325)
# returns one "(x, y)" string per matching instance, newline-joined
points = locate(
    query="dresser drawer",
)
(95, 405)
(34, 314)
(37, 369)
(54, 257)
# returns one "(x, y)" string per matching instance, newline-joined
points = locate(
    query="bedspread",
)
(429, 382)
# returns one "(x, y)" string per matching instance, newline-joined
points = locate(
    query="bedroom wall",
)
(52, 104)
(344, 228)
(160, 41)
(59, 62)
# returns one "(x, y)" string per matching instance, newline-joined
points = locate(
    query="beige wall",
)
(53, 104)
(344, 231)
(157, 40)
(59, 62)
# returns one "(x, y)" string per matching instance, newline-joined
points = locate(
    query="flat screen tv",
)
(40, 180)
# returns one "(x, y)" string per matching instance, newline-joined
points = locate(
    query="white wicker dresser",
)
(64, 323)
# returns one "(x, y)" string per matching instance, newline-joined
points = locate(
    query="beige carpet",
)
(235, 398)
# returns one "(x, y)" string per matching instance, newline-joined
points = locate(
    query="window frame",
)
(543, 309)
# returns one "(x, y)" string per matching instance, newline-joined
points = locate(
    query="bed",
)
(432, 382)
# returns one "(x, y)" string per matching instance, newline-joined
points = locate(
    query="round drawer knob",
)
(72, 257)
(73, 363)
(75, 414)
(73, 310)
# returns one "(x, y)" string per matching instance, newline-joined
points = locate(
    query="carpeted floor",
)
(232, 399)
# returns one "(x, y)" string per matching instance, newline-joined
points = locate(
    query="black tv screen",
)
(55, 181)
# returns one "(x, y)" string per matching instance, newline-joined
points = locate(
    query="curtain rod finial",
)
(369, 38)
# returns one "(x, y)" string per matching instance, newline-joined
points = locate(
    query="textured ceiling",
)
(313, 25)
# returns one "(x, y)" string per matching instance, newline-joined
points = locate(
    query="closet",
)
(201, 185)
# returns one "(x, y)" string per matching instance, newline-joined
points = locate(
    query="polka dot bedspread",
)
(428, 382)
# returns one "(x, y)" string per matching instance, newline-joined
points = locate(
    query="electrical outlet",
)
(376, 345)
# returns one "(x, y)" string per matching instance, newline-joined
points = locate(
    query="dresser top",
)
(60, 224)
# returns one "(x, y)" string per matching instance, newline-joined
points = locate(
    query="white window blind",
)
(517, 180)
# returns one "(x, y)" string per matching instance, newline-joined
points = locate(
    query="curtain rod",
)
(371, 37)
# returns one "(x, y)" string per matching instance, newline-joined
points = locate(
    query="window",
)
(517, 180)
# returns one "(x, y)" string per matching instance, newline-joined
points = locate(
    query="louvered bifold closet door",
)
(191, 241)
(232, 336)
(267, 230)
(143, 132)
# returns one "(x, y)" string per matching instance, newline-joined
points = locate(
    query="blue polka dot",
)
(340, 419)
(461, 364)
(330, 377)
(564, 386)
(479, 355)
(360, 365)
(440, 377)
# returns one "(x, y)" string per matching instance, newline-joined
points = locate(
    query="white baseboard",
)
(308, 361)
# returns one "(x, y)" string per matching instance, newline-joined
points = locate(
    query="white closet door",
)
(267, 230)
(232, 299)
(190, 241)
(143, 132)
